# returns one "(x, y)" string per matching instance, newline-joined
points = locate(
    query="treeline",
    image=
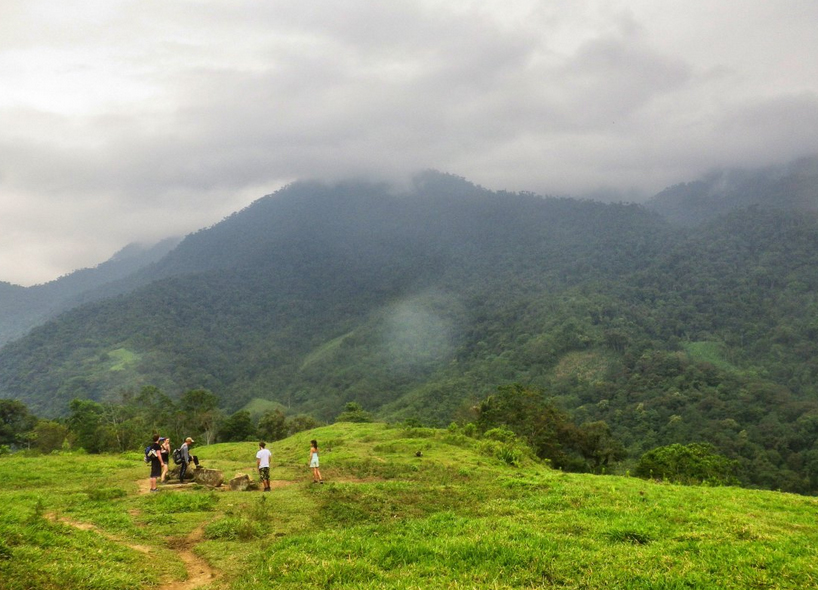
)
(127, 424)
(515, 421)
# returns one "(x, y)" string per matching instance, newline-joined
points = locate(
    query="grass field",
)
(459, 516)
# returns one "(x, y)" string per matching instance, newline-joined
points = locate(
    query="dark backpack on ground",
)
(177, 456)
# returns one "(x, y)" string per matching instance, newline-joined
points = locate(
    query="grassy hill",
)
(459, 516)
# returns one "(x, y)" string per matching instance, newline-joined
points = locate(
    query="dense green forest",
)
(419, 306)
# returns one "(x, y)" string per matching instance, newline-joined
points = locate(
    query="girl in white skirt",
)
(316, 474)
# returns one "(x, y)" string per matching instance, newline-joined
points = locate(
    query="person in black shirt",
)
(157, 464)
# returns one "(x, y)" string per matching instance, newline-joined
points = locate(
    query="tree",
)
(273, 425)
(300, 423)
(696, 463)
(85, 420)
(353, 412)
(238, 427)
(200, 411)
(597, 445)
(50, 436)
(15, 421)
(526, 411)
(156, 409)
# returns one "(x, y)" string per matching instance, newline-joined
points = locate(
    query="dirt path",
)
(199, 572)
(84, 526)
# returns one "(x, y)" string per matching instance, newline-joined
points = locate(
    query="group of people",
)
(263, 464)
(160, 452)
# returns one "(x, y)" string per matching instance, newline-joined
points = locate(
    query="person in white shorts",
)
(316, 473)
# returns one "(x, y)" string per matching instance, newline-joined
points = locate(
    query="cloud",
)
(128, 120)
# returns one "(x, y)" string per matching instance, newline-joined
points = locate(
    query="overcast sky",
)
(126, 120)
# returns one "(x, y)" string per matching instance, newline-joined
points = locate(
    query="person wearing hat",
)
(187, 458)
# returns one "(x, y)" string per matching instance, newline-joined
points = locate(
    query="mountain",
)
(418, 305)
(257, 305)
(22, 308)
(793, 186)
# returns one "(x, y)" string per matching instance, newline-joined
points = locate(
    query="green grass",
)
(708, 352)
(459, 516)
(324, 351)
(122, 358)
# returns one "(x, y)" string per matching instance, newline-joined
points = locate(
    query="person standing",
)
(165, 444)
(155, 455)
(186, 458)
(316, 473)
(263, 464)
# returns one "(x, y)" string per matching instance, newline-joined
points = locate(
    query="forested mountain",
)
(22, 308)
(419, 305)
(788, 187)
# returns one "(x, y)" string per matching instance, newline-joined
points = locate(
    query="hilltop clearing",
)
(402, 508)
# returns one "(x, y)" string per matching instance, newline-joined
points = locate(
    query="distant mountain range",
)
(790, 186)
(693, 317)
(21, 308)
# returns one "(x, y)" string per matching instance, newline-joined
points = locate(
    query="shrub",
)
(696, 463)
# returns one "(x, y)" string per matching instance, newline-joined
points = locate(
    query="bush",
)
(501, 435)
(696, 463)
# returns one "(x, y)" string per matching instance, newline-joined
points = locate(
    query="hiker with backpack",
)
(187, 458)
(153, 455)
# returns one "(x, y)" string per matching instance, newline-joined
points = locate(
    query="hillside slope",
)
(793, 186)
(456, 516)
(256, 305)
(23, 308)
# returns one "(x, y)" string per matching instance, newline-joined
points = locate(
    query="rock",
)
(208, 477)
(243, 483)
(173, 474)
(240, 483)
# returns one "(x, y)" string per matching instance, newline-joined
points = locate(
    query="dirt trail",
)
(84, 526)
(199, 572)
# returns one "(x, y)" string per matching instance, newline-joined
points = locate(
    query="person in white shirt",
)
(263, 464)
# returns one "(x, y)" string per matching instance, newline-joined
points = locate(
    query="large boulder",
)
(240, 483)
(208, 477)
(243, 483)
(173, 474)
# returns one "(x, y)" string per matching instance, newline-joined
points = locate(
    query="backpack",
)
(149, 452)
(177, 456)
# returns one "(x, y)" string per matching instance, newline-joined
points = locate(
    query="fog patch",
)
(418, 332)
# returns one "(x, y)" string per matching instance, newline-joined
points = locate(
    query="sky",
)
(129, 121)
